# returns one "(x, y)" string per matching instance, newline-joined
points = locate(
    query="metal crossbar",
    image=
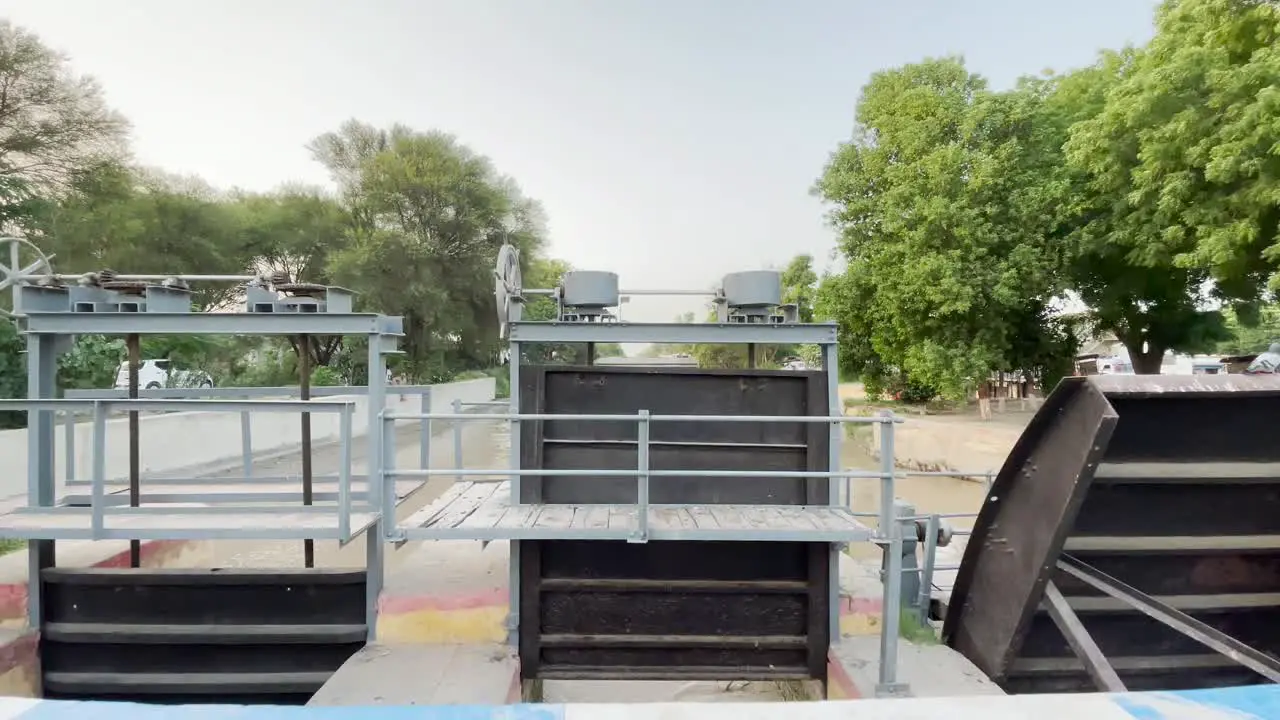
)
(99, 508)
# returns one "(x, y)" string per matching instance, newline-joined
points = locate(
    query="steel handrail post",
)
(890, 530)
(457, 438)
(99, 468)
(642, 477)
(344, 475)
(932, 526)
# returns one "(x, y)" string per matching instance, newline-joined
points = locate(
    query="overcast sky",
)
(671, 141)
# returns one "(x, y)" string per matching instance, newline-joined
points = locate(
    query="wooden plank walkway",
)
(483, 511)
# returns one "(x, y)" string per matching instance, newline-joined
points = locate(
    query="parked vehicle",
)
(155, 374)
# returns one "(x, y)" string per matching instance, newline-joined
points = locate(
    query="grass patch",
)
(866, 407)
(911, 629)
(9, 546)
(859, 433)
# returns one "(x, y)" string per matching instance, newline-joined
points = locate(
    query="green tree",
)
(428, 216)
(944, 222)
(122, 219)
(800, 286)
(54, 126)
(1253, 337)
(295, 231)
(1131, 265)
(13, 374)
(1189, 133)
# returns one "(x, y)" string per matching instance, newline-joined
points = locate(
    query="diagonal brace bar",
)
(1259, 662)
(1095, 663)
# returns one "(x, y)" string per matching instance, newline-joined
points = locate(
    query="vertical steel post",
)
(69, 445)
(42, 372)
(642, 479)
(513, 560)
(831, 367)
(246, 444)
(389, 494)
(751, 355)
(344, 477)
(891, 535)
(135, 444)
(424, 430)
(376, 536)
(926, 572)
(457, 439)
(98, 489)
(308, 487)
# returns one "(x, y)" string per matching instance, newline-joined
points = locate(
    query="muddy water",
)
(928, 495)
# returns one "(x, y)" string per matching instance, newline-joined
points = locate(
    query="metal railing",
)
(247, 455)
(642, 472)
(98, 507)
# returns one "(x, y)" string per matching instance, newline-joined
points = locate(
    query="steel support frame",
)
(1086, 650)
(889, 537)
(42, 371)
(526, 331)
(1173, 618)
(197, 323)
(48, 333)
(513, 461)
(381, 457)
(239, 393)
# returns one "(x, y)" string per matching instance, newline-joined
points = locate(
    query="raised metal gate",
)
(1131, 541)
(673, 609)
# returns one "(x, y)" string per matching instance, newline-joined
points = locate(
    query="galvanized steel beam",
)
(681, 333)
(1259, 662)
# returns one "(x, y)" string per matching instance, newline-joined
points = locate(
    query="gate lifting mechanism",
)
(587, 295)
(53, 307)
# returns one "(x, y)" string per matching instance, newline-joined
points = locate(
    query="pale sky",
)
(671, 142)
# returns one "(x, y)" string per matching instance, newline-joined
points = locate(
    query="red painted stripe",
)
(399, 604)
(838, 675)
(20, 651)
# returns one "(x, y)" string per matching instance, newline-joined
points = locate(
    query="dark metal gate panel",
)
(567, 444)
(674, 610)
(1180, 506)
(1021, 527)
(232, 636)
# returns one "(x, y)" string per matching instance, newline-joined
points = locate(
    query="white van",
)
(155, 374)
